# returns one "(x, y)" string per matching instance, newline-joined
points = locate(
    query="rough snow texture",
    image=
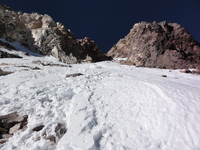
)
(41, 34)
(108, 107)
(163, 45)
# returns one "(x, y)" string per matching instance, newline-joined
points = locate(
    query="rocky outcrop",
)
(41, 34)
(87, 44)
(11, 123)
(8, 55)
(163, 45)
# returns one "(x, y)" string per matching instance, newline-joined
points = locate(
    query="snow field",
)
(109, 107)
(136, 111)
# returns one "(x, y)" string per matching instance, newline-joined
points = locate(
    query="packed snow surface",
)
(109, 107)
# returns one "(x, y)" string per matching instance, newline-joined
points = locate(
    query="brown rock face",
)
(163, 45)
(41, 34)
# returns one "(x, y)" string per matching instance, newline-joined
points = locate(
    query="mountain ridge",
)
(157, 45)
(41, 34)
(162, 45)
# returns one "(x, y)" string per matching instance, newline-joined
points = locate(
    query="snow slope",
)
(109, 107)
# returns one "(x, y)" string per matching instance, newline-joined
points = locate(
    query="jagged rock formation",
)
(41, 34)
(163, 45)
(11, 123)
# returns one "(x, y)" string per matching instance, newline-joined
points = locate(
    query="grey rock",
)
(51, 138)
(14, 117)
(10, 123)
(165, 76)
(15, 128)
(7, 136)
(38, 128)
(74, 75)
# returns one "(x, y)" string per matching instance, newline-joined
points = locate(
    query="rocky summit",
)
(162, 45)
(41, 34)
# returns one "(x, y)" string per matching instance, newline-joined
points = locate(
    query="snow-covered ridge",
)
(109, 107)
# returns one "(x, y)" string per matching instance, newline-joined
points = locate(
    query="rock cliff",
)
(41, 34)
(162, 45)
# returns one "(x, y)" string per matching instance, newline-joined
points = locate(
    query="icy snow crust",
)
(109, 107)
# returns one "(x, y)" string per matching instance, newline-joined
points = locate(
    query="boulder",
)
(6, 136)
(11, 123)
(74, 75)
(38, 128)
(15, 128)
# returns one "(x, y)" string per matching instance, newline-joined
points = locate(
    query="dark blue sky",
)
(106, 21)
